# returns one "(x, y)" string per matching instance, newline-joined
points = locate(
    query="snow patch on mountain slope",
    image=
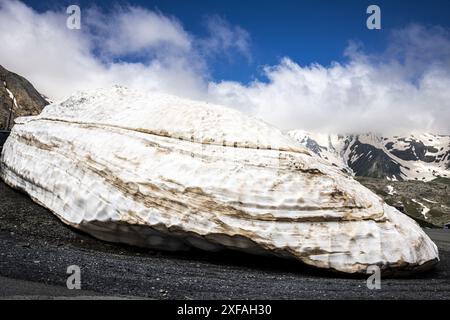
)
(11, 95)
(327, 147)
(391, 190)
(425, 209)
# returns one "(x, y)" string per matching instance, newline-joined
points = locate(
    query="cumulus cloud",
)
(128, 45)
(225, 38)
(404, 88)
(134, 30)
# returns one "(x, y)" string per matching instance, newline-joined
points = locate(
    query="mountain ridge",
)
(415, 156)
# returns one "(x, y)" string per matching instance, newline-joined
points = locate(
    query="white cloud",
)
(51, 57)
(134, 30)
(225, 38)
(59, 61)
(405, 88)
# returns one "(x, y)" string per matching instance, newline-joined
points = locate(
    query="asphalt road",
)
(36, 249)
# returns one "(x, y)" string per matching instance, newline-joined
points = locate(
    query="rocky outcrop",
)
(18, 98)
(159, 171)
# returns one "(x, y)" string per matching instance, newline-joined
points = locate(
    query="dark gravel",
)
(36, 249)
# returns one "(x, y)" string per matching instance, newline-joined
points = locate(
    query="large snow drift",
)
(155, 170)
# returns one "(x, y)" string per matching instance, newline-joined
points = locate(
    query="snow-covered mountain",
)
(421, 156)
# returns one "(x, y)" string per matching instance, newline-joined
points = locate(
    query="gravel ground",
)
(36, 249)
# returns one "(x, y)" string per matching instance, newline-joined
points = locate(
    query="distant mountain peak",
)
(415, 156)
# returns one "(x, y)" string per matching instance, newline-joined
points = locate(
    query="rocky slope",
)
(426, 202)
(18, 93)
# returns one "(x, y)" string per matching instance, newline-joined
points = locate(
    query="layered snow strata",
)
(159, 171)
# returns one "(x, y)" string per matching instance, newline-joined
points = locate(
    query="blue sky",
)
(306, 31)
